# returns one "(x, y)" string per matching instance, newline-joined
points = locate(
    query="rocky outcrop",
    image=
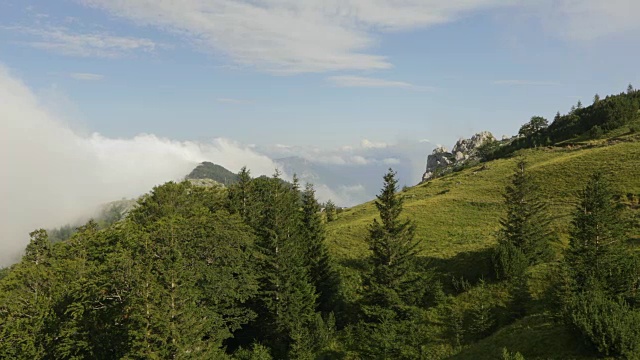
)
(441, 161)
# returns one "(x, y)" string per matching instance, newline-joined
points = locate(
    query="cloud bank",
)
(291, 35)
(294, 36)
(51, 175)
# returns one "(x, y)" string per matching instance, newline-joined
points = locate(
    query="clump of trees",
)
(590, 122)
(244, 272)
(599, 296)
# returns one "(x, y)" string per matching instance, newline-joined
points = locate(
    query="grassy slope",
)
(458, 214)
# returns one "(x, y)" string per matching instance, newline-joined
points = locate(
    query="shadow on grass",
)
(464, 268)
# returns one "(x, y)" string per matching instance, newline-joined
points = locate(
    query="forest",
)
(258, 269)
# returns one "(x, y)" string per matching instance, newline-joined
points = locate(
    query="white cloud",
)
(292, 35)
(86, 76)
(525, 83)
(391, 161)
(589, 20)
(95, 44)
(368, 82)
(51, 175)
(367, 144)
(289, 36)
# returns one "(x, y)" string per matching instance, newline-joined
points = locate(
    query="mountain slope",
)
(460, 212)
(208, 170)
(457, 217)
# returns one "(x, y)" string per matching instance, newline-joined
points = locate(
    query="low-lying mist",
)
(50, 175)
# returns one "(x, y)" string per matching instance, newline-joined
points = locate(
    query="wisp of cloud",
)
(50, 175)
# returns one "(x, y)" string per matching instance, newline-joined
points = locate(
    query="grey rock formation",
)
(468, 146)
(441, 160)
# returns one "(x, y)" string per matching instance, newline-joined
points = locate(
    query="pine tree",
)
(322, 275)
(596, 235)
(526, 234)
(603, 274)
(239, 194)
(287, 296)
(596, 98)
(394, 248)
(630, 89)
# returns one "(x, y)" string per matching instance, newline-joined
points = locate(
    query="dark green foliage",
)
(454, 330)
(27, 295)
(107, 215)
(488, 149)
(239, 194)
(596, 132)
(62, 233)
(608, 114)
(482, 318)
(173, 279)
(4, 272)
(257, 352)
(215, 172)
(321, 272)
(394, 248)
(287, 300)
(599, 295)
(610, 325)
(509, 261)
(526, 235)
(507, 355)
(392, 338)
(330, 210)
(597, 240)
(536, 124)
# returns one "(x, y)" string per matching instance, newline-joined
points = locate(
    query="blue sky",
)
(103, 99)
(278, 72)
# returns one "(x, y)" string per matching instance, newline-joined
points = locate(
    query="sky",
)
(103, 99)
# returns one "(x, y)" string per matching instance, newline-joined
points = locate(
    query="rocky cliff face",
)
(464, 150)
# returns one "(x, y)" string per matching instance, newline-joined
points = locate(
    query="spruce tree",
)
(394, 248)
(597, 235)
(287, 297)
(526, 234)
(318, 262)
(603, 272)
(239, 194)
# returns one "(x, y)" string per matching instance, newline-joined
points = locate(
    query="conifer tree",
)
(526, 234)
(287, 296)
(393, 247)
(603, 274)
(239, 194)
(597, 235)
(322, 275)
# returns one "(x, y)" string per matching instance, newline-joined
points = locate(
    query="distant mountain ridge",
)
(215, 172)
